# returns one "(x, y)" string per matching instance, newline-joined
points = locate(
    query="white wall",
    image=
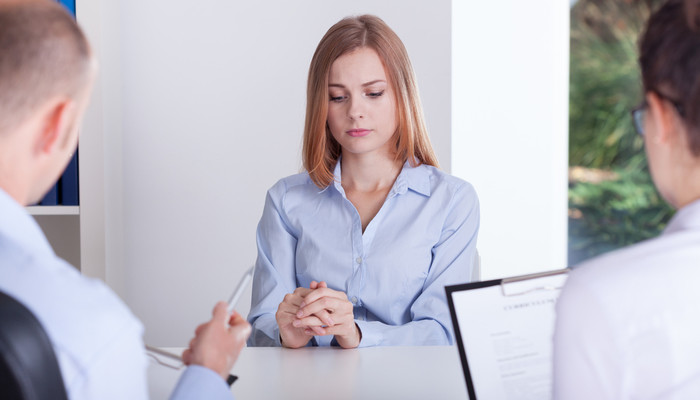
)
(207, 110)
(510, 128)
(201, 105)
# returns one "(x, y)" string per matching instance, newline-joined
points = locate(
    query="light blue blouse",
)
(422, 238)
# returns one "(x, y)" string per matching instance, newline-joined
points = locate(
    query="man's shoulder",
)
(80, 315)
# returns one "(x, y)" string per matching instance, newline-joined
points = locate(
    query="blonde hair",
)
(44, 54)
(320, 150)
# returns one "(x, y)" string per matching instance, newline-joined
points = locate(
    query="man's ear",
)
(662, 117)
(56, 125)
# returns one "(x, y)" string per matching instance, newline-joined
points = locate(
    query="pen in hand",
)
(232, 302)
(238, 292)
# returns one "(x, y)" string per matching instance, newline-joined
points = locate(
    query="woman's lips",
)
(358, 132)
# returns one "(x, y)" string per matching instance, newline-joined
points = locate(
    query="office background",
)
(199, 109)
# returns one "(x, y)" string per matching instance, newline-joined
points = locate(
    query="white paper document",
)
(505, 330)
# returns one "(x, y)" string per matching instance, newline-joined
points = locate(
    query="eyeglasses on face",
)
(639, 112)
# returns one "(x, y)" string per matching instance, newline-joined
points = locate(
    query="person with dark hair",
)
(628, 322)
(46, 77)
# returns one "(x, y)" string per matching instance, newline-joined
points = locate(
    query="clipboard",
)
(504, 330)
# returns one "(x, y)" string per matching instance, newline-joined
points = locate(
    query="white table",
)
(427, 372)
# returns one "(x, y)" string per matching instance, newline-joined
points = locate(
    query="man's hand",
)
(218, 343)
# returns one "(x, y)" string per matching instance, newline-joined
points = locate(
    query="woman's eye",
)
(337, 99)
(375, 94)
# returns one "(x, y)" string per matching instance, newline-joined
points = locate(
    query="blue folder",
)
(69, 189)
(66, 190)
(51, 198)
(69, 4)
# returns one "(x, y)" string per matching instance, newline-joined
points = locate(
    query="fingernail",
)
(296, 324)
(308, 332)
(329, 321)
(300, 313)
(302, 305)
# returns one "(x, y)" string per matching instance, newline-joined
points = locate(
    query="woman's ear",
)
(56, 127)
(661, 119)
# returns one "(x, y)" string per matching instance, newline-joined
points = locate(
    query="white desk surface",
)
(420, 372)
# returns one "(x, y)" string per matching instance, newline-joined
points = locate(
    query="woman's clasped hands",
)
(320, 311)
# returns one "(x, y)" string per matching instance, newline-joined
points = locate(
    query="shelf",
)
(54, 210)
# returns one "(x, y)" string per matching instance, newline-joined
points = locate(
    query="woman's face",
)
(362, 105)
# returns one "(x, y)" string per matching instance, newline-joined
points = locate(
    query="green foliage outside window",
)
(612, 200)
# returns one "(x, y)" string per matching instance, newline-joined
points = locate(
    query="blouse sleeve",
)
(274, 270)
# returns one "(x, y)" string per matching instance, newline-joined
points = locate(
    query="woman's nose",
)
(356, 110)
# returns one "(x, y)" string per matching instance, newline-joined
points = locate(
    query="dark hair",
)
(43, 53)
(670, 60)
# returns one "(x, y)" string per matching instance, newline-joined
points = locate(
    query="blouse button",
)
(359, 260)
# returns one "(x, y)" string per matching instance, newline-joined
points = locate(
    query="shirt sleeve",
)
(452, 263)
(119, 371)
(274, 270)
(585, 355)
(199, 382)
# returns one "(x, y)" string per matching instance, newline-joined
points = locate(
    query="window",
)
(612, 199)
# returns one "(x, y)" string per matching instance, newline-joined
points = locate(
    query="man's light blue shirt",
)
(97, 340)
(423, 238)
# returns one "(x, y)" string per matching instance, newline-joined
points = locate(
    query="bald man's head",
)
(43, 54)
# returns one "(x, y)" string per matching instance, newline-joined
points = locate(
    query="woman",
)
(628, 323)
(356, 251)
